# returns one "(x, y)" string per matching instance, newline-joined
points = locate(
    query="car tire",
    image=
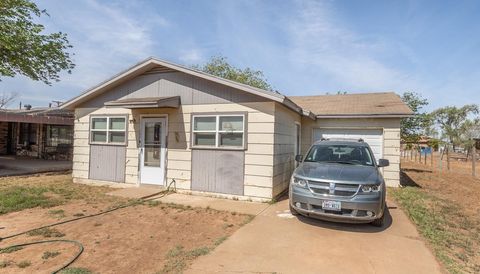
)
(379, 222)
(292, 210)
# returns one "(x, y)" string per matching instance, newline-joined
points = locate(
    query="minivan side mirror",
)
(383, 162)
(299, 158)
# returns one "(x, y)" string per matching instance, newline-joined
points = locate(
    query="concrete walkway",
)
(135, 192)
(11, 165)
(243, 207)
(277, 242)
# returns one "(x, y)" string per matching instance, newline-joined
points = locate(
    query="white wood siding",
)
(258, 164)
(284, 147)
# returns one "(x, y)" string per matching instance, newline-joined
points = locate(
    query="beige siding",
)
(258, 156)
(284, 147)
(391, 139)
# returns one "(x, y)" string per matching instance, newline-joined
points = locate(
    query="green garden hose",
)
(78, 244)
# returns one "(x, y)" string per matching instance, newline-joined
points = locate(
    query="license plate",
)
(331, 205)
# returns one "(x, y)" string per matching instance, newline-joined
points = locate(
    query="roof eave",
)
(373, 115)
(150, 62)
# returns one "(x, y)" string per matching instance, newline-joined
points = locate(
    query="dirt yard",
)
(445, 206)
(146, 237)
(458, 163)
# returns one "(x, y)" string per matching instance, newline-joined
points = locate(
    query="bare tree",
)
(6, 98)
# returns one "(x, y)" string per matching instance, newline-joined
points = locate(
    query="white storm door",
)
(152, 151)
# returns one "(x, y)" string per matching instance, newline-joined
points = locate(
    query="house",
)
(45, 133)
(157, 122)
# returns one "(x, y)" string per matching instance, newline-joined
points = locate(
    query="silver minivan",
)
(339, 180)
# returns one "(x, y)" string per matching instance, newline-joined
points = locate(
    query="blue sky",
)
(303, 47)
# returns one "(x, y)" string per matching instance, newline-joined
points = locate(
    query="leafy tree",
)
(454, 122)
(469, 130)
(411, 128)
(25, 48)
(220, 67)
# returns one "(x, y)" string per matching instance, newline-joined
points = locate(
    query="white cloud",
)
(191, 56)
(323, 44)
(107, 37)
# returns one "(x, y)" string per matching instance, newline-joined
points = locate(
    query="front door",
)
(152, 151)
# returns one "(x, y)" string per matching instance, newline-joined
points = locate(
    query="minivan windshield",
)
(341, 154)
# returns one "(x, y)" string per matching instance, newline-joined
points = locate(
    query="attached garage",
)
(373, 137)
(373, 117)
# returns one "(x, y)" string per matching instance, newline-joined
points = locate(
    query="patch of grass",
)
(178, 258)
(16, 198)
(46, 232)
(58, 213)
(443, 225)
(248, 219)
(225, 226)
(50, 254)
(10, 249)
(75, 270)
(47, 190)
(5, 263)
(220, 240)
(78, 215)
(24, 264)
(153, 203)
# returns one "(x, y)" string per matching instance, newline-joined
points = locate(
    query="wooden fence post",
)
(448, 159)
(440, 160)
(474, 161)
(420, 155)
(431, 156)
(425, 157)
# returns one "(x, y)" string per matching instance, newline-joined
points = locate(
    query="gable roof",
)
(385, 104)
(153, 63)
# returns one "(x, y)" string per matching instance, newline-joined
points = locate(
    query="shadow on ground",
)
(363, 228)
(406, 180)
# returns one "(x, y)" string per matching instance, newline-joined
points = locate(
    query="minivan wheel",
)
(379, 222)
(292, 210)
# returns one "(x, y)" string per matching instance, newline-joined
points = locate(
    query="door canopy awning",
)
(146, 102)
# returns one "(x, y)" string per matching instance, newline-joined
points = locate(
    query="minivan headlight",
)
(299, 182)
(371, 188)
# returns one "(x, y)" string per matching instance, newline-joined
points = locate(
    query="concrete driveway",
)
(277, 242)
(11, 165)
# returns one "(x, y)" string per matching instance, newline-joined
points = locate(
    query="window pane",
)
(204, 123)
(204, 139)
(152, 132)
(99, 136)
(117, 137)
(151, 156)
(231, 139)
(230, 123)
(117, 123)
(99, 123)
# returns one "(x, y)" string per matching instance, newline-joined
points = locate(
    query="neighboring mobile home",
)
(157, 122)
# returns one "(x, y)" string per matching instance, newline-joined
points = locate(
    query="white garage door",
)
(374, 137)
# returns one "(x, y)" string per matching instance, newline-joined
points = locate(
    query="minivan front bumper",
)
(359, 208)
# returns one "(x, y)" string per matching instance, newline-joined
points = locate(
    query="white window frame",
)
(217, 131)
(108, 130)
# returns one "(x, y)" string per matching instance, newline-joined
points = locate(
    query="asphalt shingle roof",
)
(384, 103)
